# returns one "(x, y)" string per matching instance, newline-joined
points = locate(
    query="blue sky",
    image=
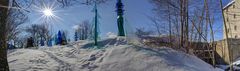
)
(136, 12)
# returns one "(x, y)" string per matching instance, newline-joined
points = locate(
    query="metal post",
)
(95, 25)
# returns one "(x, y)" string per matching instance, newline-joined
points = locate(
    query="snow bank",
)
(134, 58)
(114, 55)
(30, 60)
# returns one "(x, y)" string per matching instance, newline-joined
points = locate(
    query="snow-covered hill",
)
(114, 55)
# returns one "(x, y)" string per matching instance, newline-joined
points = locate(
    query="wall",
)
(222, 54)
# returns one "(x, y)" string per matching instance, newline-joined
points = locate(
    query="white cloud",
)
(75, 27)
(111, 35)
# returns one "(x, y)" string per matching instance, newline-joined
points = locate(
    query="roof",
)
(229, 4)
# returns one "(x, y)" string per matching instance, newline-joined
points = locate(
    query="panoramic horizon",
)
(135, 16)
(119, 35)
(69, 17)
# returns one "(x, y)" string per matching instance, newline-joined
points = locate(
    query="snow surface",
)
(114, 55)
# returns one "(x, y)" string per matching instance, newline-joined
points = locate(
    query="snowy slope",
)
(114, 55)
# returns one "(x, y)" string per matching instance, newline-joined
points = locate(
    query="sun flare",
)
(48, 12)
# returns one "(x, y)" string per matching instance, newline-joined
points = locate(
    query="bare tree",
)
(32, 30)
(16, 18)
(3, 36)
(84, 30)
(44, 33)
(141, 32)
(4, 11)
(191, 20)
(177, 13)
(39, 32)
(20, 42)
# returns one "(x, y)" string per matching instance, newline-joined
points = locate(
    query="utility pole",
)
(95, 25)
(120, 20)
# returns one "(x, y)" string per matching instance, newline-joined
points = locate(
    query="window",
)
(236, 36)
(227, 20)
(235, 28)
(233, 6)
(234, 15)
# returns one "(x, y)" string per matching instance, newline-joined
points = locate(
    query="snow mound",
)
(134, 58)
(31, 60)
(115, 55)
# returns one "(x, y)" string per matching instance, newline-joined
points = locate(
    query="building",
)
(227, 53)
(232, 19)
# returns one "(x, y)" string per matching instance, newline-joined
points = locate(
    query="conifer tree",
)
(49, 42)
(59, 38)
(76, 36)
(64, 39)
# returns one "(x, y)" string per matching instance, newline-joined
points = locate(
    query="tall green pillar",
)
(120, 20)
(95, 25)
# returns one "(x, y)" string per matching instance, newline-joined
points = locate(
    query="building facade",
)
(231, 52)
(232, 19)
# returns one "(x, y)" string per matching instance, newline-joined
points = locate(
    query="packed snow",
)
(112, 55)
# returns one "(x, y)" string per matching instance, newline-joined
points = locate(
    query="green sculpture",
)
(120, 20)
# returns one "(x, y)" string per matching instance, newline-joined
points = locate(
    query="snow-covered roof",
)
(230, 3)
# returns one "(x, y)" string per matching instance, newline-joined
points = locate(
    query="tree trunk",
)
(3, 36)
(226, 35)
(170, 26)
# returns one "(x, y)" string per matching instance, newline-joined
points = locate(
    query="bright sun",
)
(48, 12)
